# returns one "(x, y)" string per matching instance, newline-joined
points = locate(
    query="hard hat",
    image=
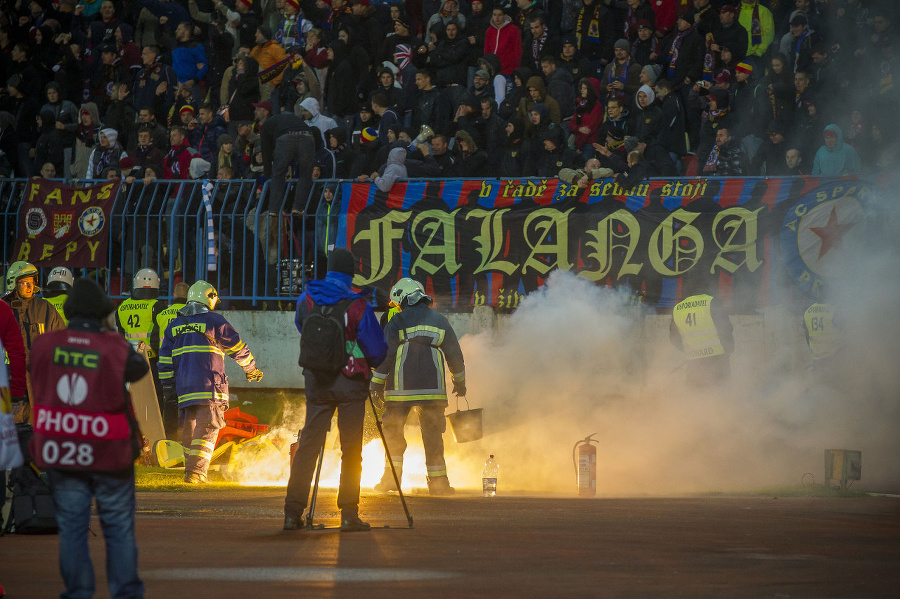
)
(203, 293)
(60, 279)
(20, 270)
(146, 278)
(409, 290)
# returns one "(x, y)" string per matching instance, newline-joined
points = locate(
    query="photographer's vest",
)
(168, 315)
(694, 321)
(136, 321)
(80, 411)
(823, 341)
(57, 302)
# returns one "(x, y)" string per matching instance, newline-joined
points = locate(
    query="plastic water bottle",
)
(489, 477)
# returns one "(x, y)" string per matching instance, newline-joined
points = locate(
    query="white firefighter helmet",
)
(20, 270)
(146, 278)
(60, 279)
(409, 290)
(203, 293)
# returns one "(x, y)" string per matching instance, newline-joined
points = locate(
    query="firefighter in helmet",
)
(59, 282)
(701, 329)
(35, 315)
(192, 371)
(412, 376)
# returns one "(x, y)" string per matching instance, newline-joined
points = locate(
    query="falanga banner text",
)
(750, 241)
(64, 225)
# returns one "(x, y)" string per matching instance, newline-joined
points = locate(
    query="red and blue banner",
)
(750, 241)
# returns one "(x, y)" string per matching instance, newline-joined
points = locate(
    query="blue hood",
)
(332, 289)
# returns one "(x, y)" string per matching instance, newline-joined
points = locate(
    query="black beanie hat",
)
(341, 260)
(87, 300)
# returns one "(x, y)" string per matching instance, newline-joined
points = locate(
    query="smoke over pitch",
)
(575, 360)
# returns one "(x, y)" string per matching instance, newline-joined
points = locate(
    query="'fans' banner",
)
(64, 225)
(490, 242)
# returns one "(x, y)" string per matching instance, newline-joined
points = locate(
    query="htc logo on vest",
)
(76, 358)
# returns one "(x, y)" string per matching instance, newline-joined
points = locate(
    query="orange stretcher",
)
(240, 426)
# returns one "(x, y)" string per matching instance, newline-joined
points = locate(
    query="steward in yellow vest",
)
(59, 281)
(821, 335)
(136, 316)
(169, 314)
(701, 329)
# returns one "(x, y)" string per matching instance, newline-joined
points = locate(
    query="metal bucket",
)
(465, 425)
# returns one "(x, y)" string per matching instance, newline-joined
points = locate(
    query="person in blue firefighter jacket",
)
(344, 389)
(192, 373)
(412, 375)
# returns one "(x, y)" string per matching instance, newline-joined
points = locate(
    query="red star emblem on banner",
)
(832, 233)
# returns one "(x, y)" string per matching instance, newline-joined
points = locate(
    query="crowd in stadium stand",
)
(178, 89)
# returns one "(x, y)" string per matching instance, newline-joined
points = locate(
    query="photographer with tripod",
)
(340, 342)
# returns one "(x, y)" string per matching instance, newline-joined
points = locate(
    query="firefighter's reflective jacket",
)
(136, 318)
(192, 356)
(419, 339)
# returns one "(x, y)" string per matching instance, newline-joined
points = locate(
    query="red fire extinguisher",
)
(585, 466)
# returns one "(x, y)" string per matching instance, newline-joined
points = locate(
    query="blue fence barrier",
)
(164, 225)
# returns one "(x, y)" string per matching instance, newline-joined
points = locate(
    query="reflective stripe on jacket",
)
(192, 357)
(419, 340)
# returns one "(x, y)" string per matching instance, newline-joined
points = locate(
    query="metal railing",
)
(163, 225)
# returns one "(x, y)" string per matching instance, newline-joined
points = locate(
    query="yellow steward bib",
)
(693, 319)
(823, 339)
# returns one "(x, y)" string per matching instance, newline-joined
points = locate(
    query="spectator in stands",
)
(769, 158)
(758, 22)
(310, 112)
(243, 89)
(189, 57)
(177, 163)
(621, 78)
(793, 164)
(835, 158)
(155, 84)
(718, 114)
(582, 177)
(730, 34)
(204, 137)
(798, 44)
(518, 90)
(430, 105)
(595, 32)
(638, 170)
(672, 135)
(638, 10)
(706, 16)
(538, 42)
(560, 86)
(286, 139)
(394, 97)
(574, 61)
(147, 153)
(343, 153)
(106, 155)
(537, 94)
(726, 158)
(158, 133)
(516, 155)
(49, 146)
(588, 117)
(228, 157)
(646, 49)
(449, 59)
(473, 161)
(504, 40)
(393, 170)
(267, 53)
(85, 139)
(555, 155)
(48, 171)
(340, 86)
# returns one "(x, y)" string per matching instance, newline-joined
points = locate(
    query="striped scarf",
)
(210, 231)
(755, 27)
(673, 51)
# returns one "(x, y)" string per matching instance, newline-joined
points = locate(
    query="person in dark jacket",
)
(430, 105)
(726, 158)
(346, 391)
(419, 339)
(205, 138)
(574, 61)
(648, 122)
(516, 155)
(555, 155)
(595, 32)
(560, 86)
(340, 84)
(473, 161)
(192, 373)
(49, 146)
(450, 57)
(108, 473)
(672, 136)
(243, 89)
(344, 154)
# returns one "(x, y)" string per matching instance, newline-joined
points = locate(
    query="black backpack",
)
(323, 346)
(32, 510)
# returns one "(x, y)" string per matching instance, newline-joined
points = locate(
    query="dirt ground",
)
(230, 544)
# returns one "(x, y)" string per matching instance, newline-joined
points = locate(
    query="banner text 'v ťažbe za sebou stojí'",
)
(490, 242)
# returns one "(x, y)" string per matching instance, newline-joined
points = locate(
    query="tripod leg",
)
(388, 453)
(315, 492)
